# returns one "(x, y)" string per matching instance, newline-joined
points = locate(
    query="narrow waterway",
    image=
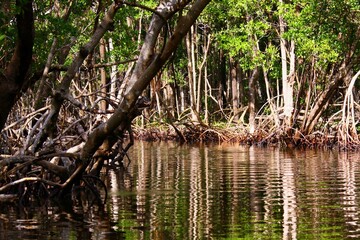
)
(172, 191)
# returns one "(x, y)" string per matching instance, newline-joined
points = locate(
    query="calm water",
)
(170, 191)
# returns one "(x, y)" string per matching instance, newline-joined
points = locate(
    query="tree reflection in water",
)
(349, 173)
(172, 191)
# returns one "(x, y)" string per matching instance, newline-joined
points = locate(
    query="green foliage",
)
(325, 32)
(322, 29)
(7, 31)
(248, 26)
(125, 35)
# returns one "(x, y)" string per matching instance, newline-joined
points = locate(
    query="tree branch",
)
(143, 73)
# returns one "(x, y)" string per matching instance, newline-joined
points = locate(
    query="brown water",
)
(170, 191)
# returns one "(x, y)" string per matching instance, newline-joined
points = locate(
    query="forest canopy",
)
(76, 73)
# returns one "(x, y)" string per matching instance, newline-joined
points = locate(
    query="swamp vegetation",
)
(81, 79)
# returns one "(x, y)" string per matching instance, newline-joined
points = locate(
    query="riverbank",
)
(191, 133)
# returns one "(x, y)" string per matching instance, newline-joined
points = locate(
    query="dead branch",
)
(64, 68)
(28, 179)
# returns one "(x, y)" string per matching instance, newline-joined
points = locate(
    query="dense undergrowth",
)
(238, 133)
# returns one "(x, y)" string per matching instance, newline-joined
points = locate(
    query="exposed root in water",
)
(191, 133)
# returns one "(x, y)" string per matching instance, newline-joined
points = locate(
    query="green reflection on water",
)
(172, 191)
(236, 192)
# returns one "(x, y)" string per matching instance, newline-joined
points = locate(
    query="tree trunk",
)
(287, 85)
(190, 49)
(42, 92)
(206, 95)
(113, 71)
(148, 65)
(202, 65)
(347, 129)
(63, 91)
(102, 50)
(239, 76)
(222, 78)
(273, 108)
(252, 99)
(324, 97)
(14, 76)
(234, 88)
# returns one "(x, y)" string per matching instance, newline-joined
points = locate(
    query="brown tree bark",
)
(234, 88)
(252, 99)
(324, 98)
(102, 50)
(14, 76)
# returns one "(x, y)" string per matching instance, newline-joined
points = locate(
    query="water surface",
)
(172, 191)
